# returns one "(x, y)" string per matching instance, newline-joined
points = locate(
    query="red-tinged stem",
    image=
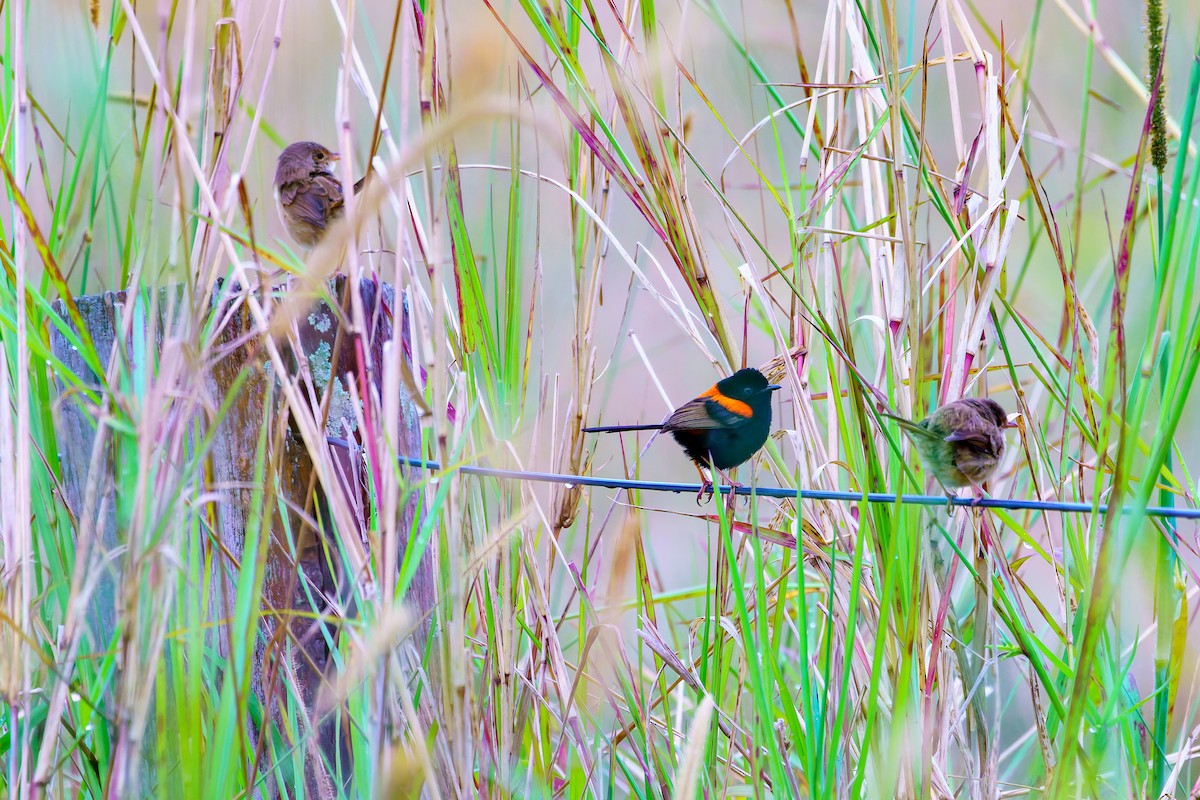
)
(1112, 553)
(370, 427)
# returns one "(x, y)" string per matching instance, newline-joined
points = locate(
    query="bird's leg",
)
(950, 496)
(728, 479)
(705, 486)
(733, 485)
(978, 493)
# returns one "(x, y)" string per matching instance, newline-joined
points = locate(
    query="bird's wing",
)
(964, 423)
(315, 202)
(702, 414)
(978, 438)
(985, 441)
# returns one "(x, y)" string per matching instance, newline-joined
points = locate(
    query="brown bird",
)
(962, 442)
(307, 192)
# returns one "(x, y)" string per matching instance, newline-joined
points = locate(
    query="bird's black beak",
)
(773, 387)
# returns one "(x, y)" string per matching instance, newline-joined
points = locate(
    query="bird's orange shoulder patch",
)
(728, 403)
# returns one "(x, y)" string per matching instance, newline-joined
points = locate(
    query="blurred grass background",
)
(865, 662)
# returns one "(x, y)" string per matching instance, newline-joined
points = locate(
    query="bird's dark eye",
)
(318, 156)
(749, 390)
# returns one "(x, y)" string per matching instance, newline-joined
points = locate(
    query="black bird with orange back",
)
(721, 428)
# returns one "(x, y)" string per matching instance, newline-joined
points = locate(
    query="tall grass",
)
(592, 211)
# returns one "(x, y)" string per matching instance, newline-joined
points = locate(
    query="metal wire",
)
(777, 492)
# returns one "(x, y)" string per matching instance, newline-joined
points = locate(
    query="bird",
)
(721, 428)
(308, 194)
(961, 442)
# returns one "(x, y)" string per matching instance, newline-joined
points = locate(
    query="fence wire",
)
(1014, 504)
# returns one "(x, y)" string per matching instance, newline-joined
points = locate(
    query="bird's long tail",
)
(621, 428)
(910, 427)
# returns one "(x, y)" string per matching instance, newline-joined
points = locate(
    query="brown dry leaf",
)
(775, 370)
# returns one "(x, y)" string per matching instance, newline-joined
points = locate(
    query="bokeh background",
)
(293, 56)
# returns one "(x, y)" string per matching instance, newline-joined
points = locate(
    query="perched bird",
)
(722, 427)
(308, 193)
(962, 442)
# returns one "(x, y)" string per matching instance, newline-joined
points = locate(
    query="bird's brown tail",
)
(910, 427)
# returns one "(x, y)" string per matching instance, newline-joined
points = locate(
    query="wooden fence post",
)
(289, 581)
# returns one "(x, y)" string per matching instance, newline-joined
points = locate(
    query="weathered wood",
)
(298, 558)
